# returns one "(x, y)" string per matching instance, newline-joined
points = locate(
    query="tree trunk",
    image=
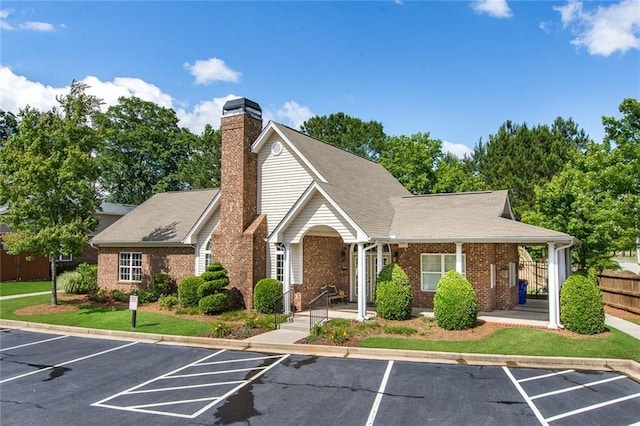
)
(54, 284)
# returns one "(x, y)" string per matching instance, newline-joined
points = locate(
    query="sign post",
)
(133, 307)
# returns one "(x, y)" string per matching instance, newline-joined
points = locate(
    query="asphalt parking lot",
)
(56, 379)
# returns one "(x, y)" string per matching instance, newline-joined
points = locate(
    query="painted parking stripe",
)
(592, 407)
(67, 362)
(228, 361)
(376, 402)
(213, 400)
(213, 373)
(524, 395)
(32, 343)
(544, 376)
(572, 388)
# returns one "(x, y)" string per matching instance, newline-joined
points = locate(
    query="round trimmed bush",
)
(455, 305)
(188, 291)
(266, 291)
(394, 295)
(581, 305)
(214, 303)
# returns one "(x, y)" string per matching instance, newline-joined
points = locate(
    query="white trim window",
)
(207, 254)
(65, 258)
(279, 275)
(130, 267)
(434, 265)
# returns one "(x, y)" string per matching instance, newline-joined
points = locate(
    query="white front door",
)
(372, 274)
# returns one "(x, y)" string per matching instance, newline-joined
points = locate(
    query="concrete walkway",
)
(17, 296)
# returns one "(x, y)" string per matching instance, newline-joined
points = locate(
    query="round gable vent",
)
(276, 148)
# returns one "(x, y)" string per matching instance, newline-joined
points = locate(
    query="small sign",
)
(133, 303)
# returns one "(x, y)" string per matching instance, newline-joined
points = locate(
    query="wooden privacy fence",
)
(621, 290)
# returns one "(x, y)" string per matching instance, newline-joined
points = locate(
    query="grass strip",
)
(10, 288)
(105, 318)
(524, 341)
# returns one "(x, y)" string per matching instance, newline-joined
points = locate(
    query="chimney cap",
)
(241, 106)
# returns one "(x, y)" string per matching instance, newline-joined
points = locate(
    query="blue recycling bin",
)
(522, 287)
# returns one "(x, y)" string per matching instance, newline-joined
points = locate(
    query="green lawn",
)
(105, 318)
(9, 288)
(524, 341)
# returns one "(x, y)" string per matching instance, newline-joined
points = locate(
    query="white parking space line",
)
(32, 343)
(593, 407)
(376, 402)
(524, 395)
(212, 373)
(213, 400)
(67, 362)
(235, 382)
(228, 361)
(572, 388)
(544, 376)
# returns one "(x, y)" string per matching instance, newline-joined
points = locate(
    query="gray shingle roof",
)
(361, 187)
(473, 216)
(165, 218)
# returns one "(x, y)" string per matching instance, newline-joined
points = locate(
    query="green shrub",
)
(214, 303)
(188, 291)
(144, 296)
(162, 285)
(581, 306)
(220, 329)
(394, 295)
(69, 282)
(217, 275)
(208, 288)
(167, 302)
(119, 296)
(87, 278)
(267, 290)
(455, 305)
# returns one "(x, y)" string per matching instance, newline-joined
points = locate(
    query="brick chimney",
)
(238, 242)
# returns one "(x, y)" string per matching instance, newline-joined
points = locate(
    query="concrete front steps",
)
(297, 323)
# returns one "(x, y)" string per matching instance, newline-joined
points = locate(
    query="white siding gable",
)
(203, 237)
(318, 212)
(281, 181)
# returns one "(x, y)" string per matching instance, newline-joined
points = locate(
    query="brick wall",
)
(177, 261)
(322, 265)
(479, 257)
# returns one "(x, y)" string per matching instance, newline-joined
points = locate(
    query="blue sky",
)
(455, 69)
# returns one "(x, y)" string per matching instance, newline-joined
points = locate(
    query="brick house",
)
(20, 268)
(309, 214)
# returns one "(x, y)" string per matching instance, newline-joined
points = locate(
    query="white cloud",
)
(4, 14)
(495, 8)
(295, 113)
(606, 30)
(206, 112)
(457, 149)
(37, 26)
(210, 70)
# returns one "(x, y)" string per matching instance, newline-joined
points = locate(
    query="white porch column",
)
(562, 274)
(552, 283)
(459, 258)
(379, 258)
(287, 279)
(362, 283)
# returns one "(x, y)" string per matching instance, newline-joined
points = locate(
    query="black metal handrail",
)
(278, 309)
(319, 309)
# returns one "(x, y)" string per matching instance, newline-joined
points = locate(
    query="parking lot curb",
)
(628, 367)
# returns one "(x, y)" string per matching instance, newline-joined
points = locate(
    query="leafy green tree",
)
(346, 132)
(202, 168)
(47, 176)
(519, 158)
(143, 150)
(8, 125)
(577, 202)
(456, 175)
(623, 175)
(412, 160)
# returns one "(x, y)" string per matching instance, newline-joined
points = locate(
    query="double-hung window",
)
(207, 254)
(434, 266)
(130, 266)
(279, 262)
